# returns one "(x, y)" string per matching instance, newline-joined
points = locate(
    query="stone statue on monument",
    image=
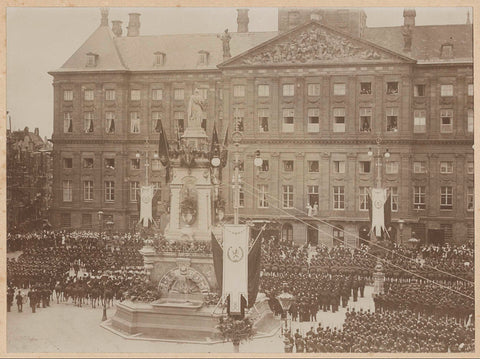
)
(196, 108)
(225, 37)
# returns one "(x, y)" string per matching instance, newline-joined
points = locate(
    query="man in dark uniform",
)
(32, 297)
(361, 283)
(19, 299)
(10, 294)
(355, 286)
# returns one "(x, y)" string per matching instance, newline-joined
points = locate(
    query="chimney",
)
(293, 19)
(117, 28)
(409, 17)
(104, 13)
(36, 131)
(133, 24)
(242, 20)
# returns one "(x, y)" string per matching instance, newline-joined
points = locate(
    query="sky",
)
(42, 39)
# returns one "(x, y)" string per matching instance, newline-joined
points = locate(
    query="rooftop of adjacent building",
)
(25, 137)
(110, 51)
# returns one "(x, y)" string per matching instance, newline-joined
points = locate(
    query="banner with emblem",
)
(379, 197)
(146, 197)
(235, 265)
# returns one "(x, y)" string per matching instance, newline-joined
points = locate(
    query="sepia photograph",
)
(237, 179)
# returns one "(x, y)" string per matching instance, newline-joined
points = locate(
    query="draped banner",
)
(235, 265)
(146, 197)
(217, 261)
(379, 197)
(254, 260)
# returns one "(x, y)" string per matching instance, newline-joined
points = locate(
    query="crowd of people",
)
(164, 246)
(384, 331)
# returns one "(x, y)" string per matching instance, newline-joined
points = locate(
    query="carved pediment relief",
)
(315, 43)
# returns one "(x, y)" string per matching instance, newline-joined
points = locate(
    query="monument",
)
(185, 280)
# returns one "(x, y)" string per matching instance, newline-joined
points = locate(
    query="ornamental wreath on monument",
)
(188, 209)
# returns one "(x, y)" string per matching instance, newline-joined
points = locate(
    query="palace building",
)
(323, 99)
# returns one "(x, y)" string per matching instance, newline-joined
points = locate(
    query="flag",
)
(254, 260)
(224, 154)
(387, 212)
(235, 265)
(378, 199)
(215, 145)
(163, 150)
(217, 261)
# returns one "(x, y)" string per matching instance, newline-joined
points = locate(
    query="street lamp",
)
(286, 300)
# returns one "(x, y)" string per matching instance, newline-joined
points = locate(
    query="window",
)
(419, 90)
(135, 163)
(89, 95)
(157, 186)
(313, 166)
(204, 124)
(338, 235)
(365, 119)
(238, 91)
(312, 192)
(446, 197)
(67, 191)
(446, 121)
(134, 191)
(470, 120)
(365, 88)
(179, 122)
(288, 166)
(470, 167)
(110, 95)
(88, 122)
(313, 89)
(288, 89)
(288, 116)
(134, 122)
(241, 196)
(109, 191)
(157, 94)
(91, 59)
(364, 166)
(238, 119)
(88, 162)
(391, 167)
(339, 89)
(264, 167)
(66, 220)
(470, 199)
(392, 117)
(135, 95)
(160, 58)
(263, 196)
(86, 220)
(363, 199)
(338, 197)
(394, 199)
(178, 94)
(203, 57)
(339, 166)
(287, 233)
(313, 120)
(156, 118)
(470, 90)
(288, 196)
(338, 120)
(110, 122)
(446, 90)
(203, 92)
(392, 88)
(419, 196)
(263, 116)
(446, 167)
(110, 163)
(67, 122)
(419, 167)
(67, 95)
(88, 190)
(156, 165)
(263, 90)
(67, 163)
(446, 51)
(419, 121)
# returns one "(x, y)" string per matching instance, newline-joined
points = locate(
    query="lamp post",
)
(379, 156)
(286, 300)
(236, 137)
(401, 224)
(147, 162)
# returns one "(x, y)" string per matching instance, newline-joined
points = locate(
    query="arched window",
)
(338, 236)
(287, 232)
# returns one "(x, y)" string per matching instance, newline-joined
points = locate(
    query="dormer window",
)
(92, 59)
(446, 51)
(160, 58)
(203, 57)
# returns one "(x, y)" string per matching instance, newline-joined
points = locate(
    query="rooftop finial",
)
(104, 12)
